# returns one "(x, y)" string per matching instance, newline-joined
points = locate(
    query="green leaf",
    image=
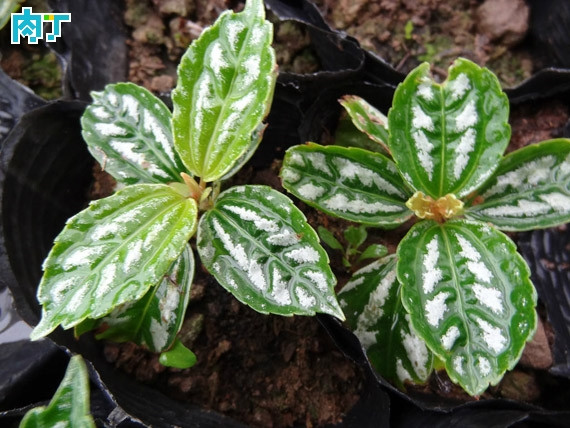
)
(469, 297)
(349, 183)
(179, 356)
(374, 311)
(449, 138)
(348, 135)
(128, 131)
(259, 247)
(7, 7)
(531, 189)
(355, 236)
(155, 319)
(112, 253)
(374, 251)
(69, 407)
(328, 238)
(367, 119)
(256, 138)
(225, 86)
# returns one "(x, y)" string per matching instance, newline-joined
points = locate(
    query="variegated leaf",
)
(128, 131)
(155, 320)
(373, 307)
(448, 138)
(225, 85)
(531, 189)
(256, 138)
(469, 296)
(367, 119)
(112, 253)
(259, 247)
(69, 407)
(350, 183)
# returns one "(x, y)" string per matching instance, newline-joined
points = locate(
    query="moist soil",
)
(270, 371)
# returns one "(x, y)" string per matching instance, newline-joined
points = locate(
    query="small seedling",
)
(355, 237)
(69, 406)
(457, 289)
(124, 265)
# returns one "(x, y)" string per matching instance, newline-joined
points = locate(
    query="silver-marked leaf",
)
(469, 296)
(349, 183)
(155, 319)
(367, 119)
(112, 253)
(69, 407)
(530, 189)
(256, 138)
(259, 247)
(128, 130)
(374, 311)
(225, 86)
(449, 138)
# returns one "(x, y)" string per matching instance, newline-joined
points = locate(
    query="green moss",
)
(43, 75)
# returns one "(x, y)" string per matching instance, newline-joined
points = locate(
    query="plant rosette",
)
(124, 265)
(457, 293)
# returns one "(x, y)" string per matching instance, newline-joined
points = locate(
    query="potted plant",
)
(86, 346)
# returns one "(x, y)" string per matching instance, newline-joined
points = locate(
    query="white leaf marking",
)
(459, 86)
(467, 118)
(492, 335)
(108, 275)
(401, 372)
(527, 176)
(432, 274)
(310, 191)
(475, 266)
(82, 256)
(416, 351)
(318, 279)
(464, 148)
(110, 129)
(373, 309)
(425, 90)
(237, 252)
(458, 364)
(349, 170)
(435, 308)
(304, 254)
(483, 365)
(158, 333)
(490, 297)
(131, 106)
(340, 202)
(283, 239)
(248, 215)
(318, 160)
(420, 120)
(424, 148)
(280, 292)
(305, 299)
(449, 338)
